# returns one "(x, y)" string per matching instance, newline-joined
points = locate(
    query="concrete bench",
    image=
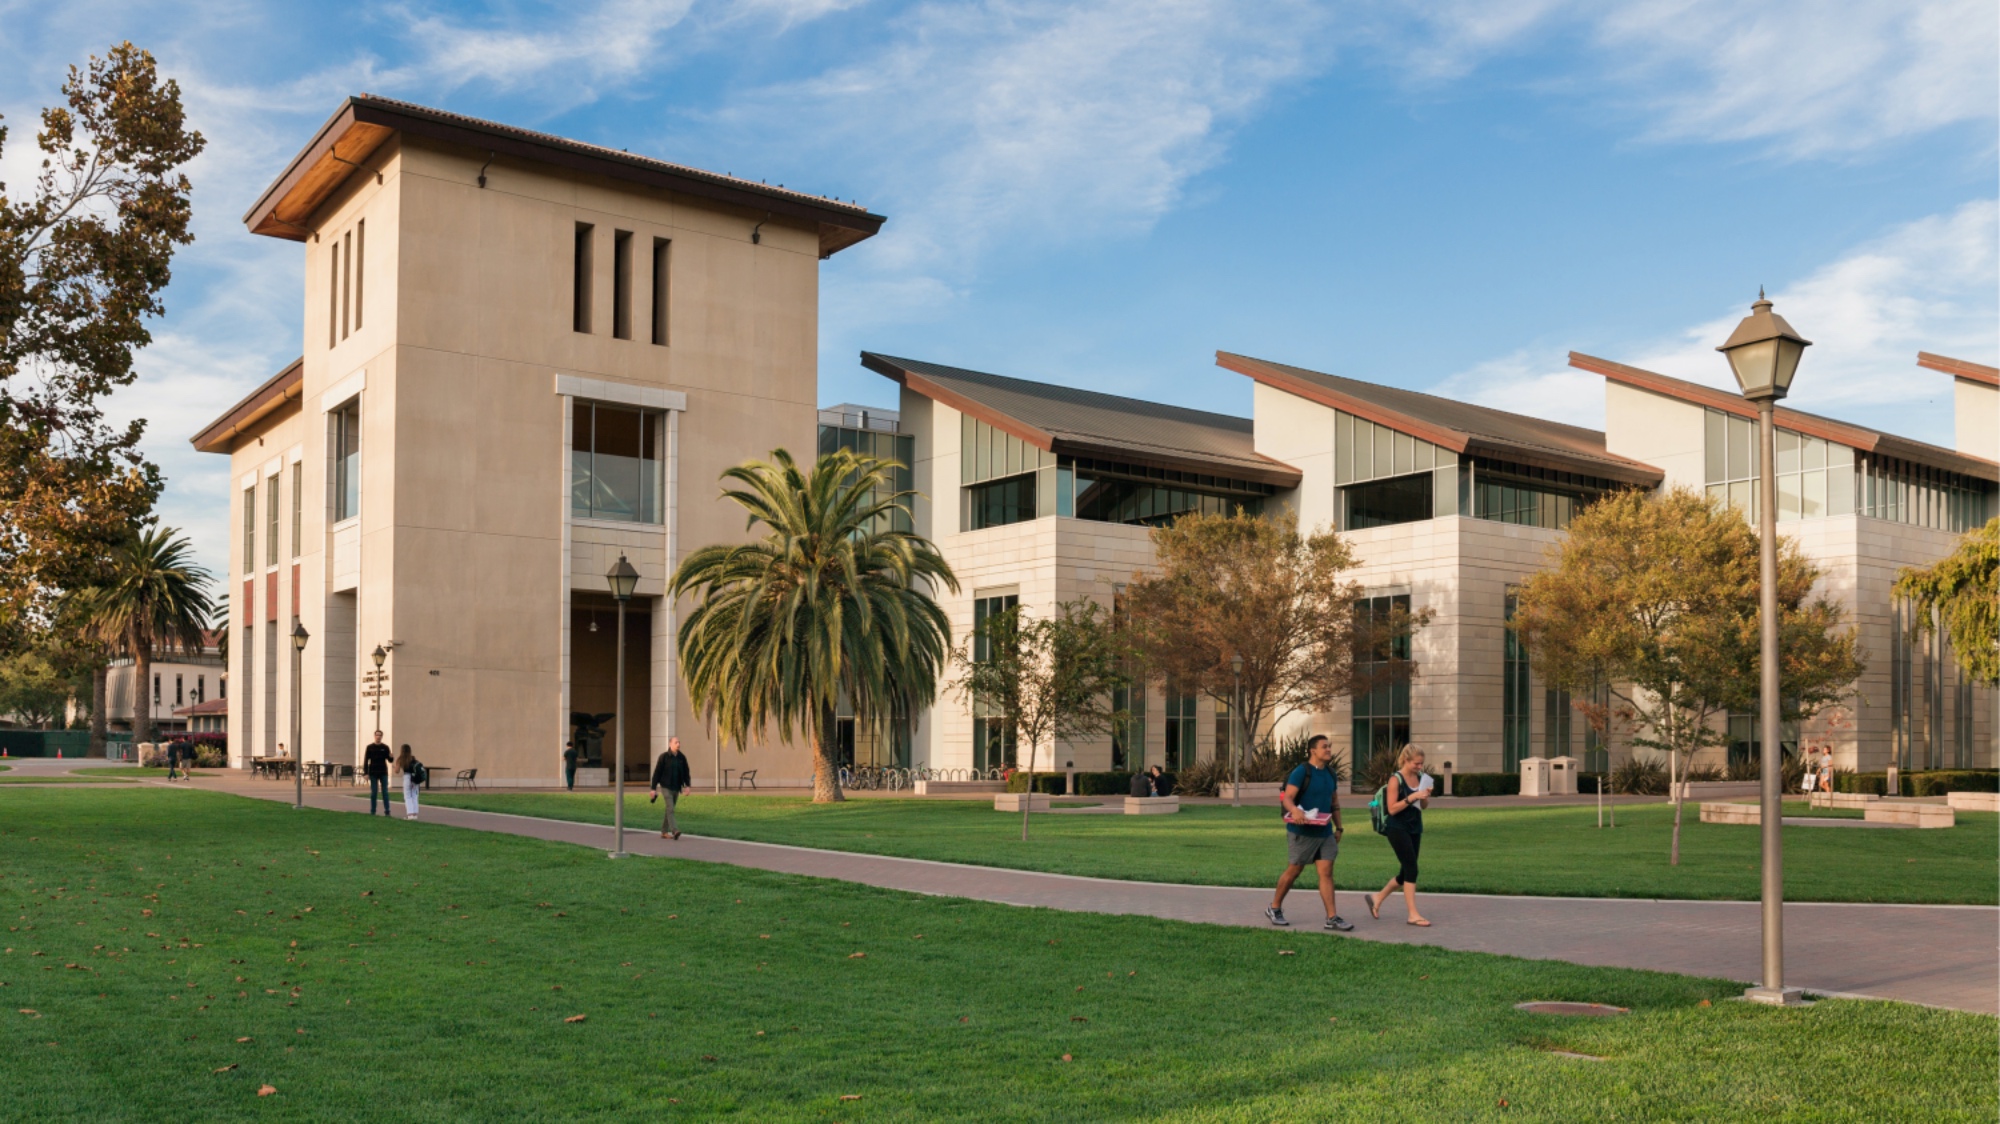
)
(1732, 813)
(1021, 801)
(1249, 790)
(1910, 814)
(958, 788)
(1152, 805)
(1973, 801)
(1843, 799)
(1718, 790)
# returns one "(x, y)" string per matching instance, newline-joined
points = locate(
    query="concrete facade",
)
(468, 338)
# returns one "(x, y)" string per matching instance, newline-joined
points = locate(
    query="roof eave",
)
(944, 395)
(1272, 375)
(276, 392)
(362, 123)
(1960, 368)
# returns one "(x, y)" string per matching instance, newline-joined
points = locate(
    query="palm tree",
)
(153, 594)
(831, 603)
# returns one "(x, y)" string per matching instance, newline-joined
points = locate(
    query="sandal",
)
(1420, 923)
(1374, 908)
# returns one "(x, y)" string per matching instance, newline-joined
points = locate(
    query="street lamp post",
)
(1236, 746)
(1764, 353)
(623, 579)
(299, 638)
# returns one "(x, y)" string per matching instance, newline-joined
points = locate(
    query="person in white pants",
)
(406, 764)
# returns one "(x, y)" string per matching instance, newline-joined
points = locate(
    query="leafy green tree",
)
(830, 603)
(33, 690)
(84, 258)
(1657, 597)
(154, 597)
(1052, 676)
(1254, 587)
(1963, 589)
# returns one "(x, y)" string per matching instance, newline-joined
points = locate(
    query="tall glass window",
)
(993, 733)
(249, 532)
(1225, 732)
(615, 463)
(1596, 746)
(886, 444)
(347, 461)
(1513, 696)
(1746, 736)
(298, 505)
(1556, 725)
(1181, 710)
(1000, 502)
(271, 521)
(1382, 714)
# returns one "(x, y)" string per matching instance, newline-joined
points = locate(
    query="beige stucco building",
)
(524, 356)
(1039, 494)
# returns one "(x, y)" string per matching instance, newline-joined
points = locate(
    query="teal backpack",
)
(1378, 810)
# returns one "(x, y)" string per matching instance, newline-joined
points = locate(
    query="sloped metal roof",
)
(1459, 426)
(1077, 422)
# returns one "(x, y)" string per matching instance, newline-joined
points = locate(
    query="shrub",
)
(1378, 770)
(1750, 768)
(1941, 781)
(1115, 783)
(1639, 778)
(1052, 784)
(1876, 783)
(1704, 774)
(1485, 784)
(1203, 778)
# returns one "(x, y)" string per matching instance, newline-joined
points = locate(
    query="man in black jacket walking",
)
(671, 773)
(375, 766)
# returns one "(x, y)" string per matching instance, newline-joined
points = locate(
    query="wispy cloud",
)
(1816, 79)
(1927, 285)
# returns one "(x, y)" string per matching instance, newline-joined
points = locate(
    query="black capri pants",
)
(1406, 846)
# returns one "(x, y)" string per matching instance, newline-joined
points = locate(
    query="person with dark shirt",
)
(671, 773)
(1404, 798)
(375, 763)
(1310, 797)
(569, 766)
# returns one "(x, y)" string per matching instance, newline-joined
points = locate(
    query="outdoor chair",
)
(344, 772)
(465, 778)
(749, 777)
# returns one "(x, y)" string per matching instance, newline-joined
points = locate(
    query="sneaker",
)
(1340, 925)
(1276, 915)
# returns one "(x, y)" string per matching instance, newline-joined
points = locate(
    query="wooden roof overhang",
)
(359, 127)
(278, 392)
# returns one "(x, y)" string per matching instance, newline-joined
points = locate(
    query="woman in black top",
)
(1406, 797)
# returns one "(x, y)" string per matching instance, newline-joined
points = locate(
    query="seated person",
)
(1142, 784)
(1163, 785)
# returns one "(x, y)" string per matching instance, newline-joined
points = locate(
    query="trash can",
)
(1535, 776)
(1562, 776)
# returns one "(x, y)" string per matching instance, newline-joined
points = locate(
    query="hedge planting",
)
(1116, 783)
(1486, 784)
(1935, 782)
(1052, 784)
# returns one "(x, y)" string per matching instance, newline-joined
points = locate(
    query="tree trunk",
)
(142, 693)
(99, 688)
(1030, 801)
(1674, 787)
(826, 774)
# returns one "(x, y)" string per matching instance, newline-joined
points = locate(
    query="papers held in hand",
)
(1313, 818)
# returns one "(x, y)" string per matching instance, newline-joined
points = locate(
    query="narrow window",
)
(298, 505)
(249, 530)
(621, 285)
(360, 267)
(271, 521)
(180, 697)
(580, 316)
(156, 688)
(346, 437)
(346, 281)
(201, 688)
(333, 295)
(660, 290)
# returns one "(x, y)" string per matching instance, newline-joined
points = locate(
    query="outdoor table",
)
(432, 772)
(725, 778)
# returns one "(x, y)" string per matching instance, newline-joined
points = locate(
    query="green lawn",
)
(56, 779)
(174, 951)
(1557, 851)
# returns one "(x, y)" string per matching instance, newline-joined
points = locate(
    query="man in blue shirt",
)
(1311, 799)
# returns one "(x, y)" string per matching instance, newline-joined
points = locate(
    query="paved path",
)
(1945, 956)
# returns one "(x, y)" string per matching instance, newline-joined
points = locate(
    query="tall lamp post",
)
(1236, 745)
(299, 638)
(624, 579)
(1764, 353)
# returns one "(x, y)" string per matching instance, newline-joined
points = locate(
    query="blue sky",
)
(1445, 196)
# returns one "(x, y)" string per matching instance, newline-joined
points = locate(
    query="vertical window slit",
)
(580, 316)
(660, 246)
(621, 285)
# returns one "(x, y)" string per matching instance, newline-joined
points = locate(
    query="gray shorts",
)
(1304, 850)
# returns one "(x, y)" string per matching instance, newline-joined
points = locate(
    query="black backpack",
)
(420, 774)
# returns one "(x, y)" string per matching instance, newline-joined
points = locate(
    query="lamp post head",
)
(623, 578)
(379, 655)
(299, 636)
(1764, 353)
(1236, 664)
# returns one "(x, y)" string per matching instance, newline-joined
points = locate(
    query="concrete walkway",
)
(1940, 955)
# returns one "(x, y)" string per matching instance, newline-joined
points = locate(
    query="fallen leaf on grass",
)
(265, 1090)
(708, 1057)
(1704, 1003)
(224, 1068)
(245, 1040)
(1503, 1102)
(1065, 1057)
(1078, 1019)
(857, 956)
(576, 1018)
(1286, 952)
(31, 1012)
(850, 1096)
